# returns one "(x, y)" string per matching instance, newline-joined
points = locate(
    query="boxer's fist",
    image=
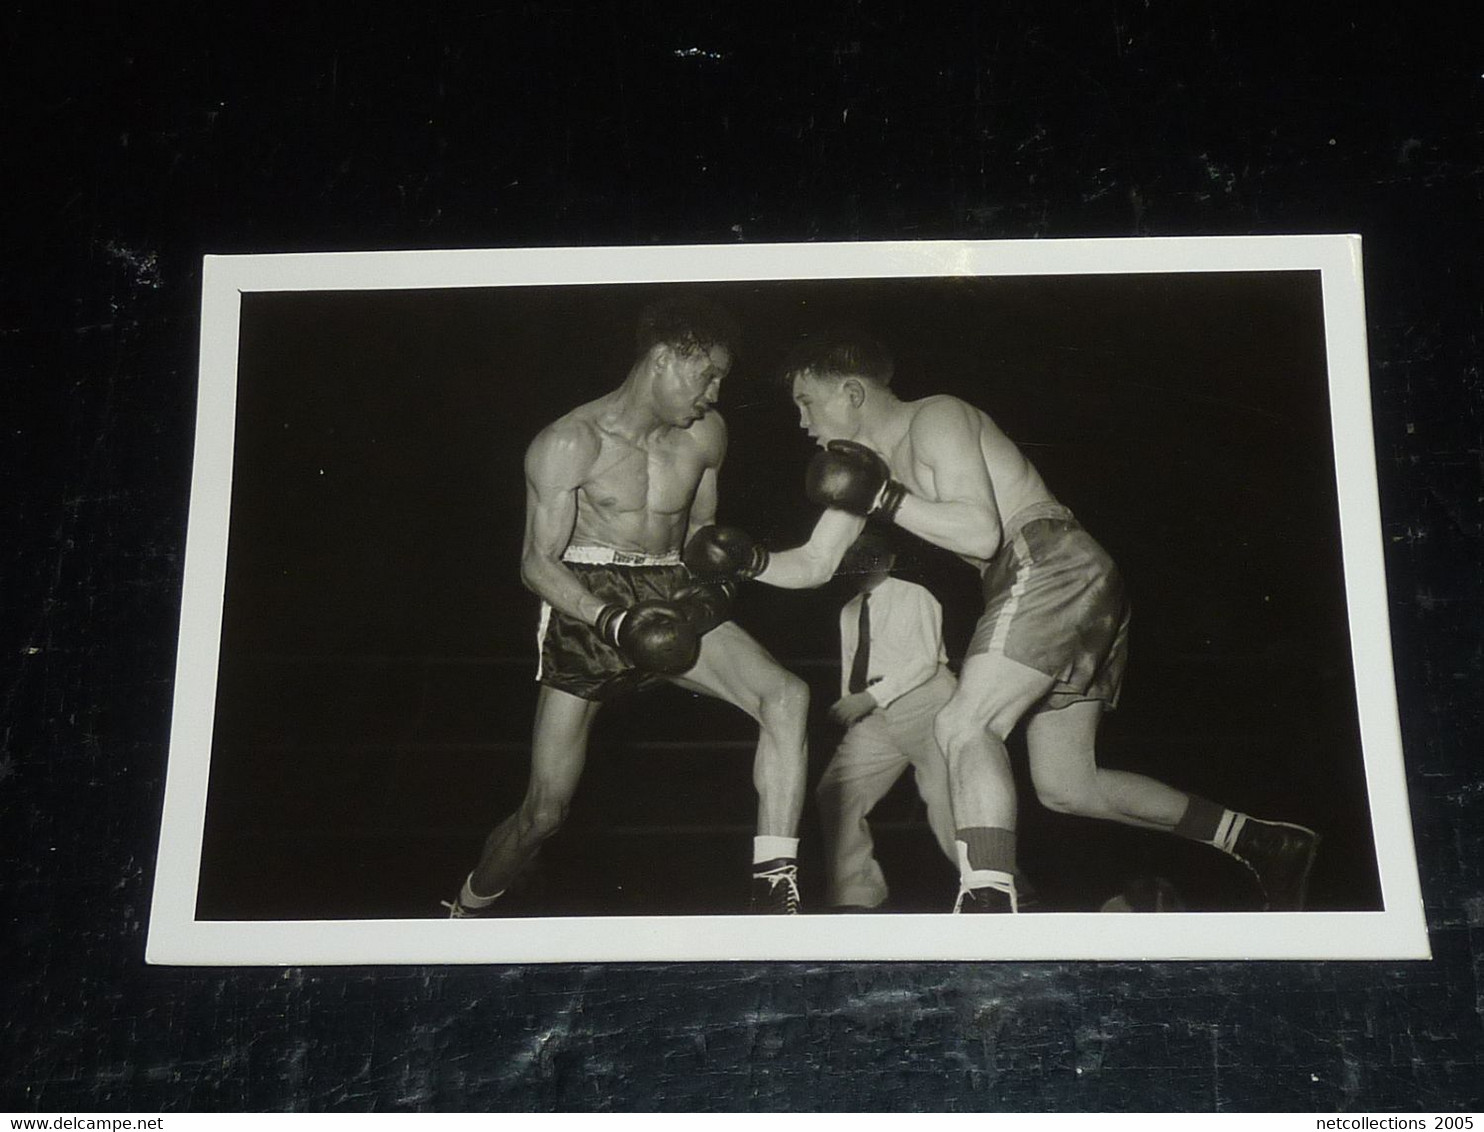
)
(850, 477)
(655, 636)
(724, 552)
(706, 605)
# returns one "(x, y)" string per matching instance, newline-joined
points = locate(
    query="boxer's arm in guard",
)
(703, 506)
(557, 462)
(814, 563)
(703, 509)
(963, 518)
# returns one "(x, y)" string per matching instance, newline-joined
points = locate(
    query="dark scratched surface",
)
(134, 143)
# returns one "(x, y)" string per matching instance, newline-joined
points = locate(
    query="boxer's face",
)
(827, 411)
(687, 385)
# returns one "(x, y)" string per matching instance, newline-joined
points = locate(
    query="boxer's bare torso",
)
(633, 494)
(635, 470)
(932, 431)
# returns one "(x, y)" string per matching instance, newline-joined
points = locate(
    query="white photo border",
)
(1397, 932)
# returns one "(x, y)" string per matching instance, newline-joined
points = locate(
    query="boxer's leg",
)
(736, 669)
(558, 750)
(1064, 771)
(993, 693)
(1068, 780)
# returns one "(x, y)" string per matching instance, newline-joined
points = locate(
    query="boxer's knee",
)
(961, 730)
(956, 733)
(1076, 795)
(784, 706)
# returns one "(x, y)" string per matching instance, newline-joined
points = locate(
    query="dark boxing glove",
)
(655, 636)
(724, 552)
(851, 477)
(706, 605)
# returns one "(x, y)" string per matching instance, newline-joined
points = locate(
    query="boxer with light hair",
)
(1051, 646)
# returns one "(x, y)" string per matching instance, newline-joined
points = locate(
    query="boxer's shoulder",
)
(709, 434)
(566, 447)
(929, 415)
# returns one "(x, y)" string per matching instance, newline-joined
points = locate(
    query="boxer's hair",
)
(689, 324)
(839, 352)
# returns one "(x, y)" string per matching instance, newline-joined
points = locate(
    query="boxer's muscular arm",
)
(703, 507)
(814, 563)
(964, 518)
(557, 462)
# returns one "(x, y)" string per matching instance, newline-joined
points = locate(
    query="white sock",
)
(771, 848)
(469, 899)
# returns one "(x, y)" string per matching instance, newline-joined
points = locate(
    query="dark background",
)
(135, 141)
(376, 692)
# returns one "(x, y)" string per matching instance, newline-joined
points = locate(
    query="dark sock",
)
(989, 847)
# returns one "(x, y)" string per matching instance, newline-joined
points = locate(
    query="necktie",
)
(861, 665)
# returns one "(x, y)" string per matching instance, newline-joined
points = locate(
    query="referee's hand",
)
(853, 707)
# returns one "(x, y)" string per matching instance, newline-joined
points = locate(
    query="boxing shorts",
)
(1054, 601)
(572, 657)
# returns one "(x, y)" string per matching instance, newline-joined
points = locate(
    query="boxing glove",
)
(724, 552)
(850, 477)
(706, 605)
(655, 636)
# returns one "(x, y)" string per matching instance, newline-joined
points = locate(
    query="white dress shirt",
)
(906, 639)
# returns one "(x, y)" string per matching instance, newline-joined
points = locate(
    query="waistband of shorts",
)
(1046, 509)
(610, 556)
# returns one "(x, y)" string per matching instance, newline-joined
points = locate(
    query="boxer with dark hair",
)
(1051, 645)
(613, 490)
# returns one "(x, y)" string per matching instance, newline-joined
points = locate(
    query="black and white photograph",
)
(786, 602)
(692, 557)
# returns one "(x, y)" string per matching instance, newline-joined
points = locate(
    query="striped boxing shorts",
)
(1054, 601)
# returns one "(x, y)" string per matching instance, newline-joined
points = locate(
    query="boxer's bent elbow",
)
(983, 537)
(984, 548)
(535, 571)
(797, 569)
